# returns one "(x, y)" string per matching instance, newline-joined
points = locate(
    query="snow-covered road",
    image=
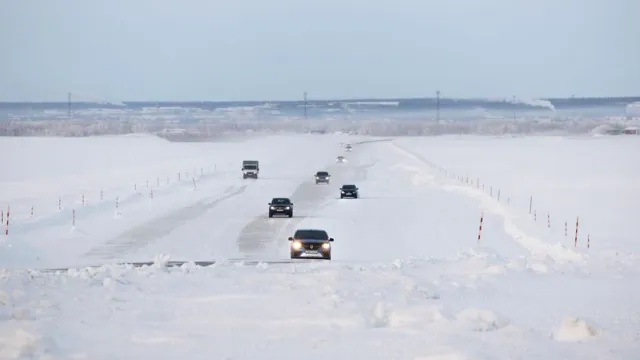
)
(408, 280)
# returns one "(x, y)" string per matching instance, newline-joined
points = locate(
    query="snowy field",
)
(409, 278)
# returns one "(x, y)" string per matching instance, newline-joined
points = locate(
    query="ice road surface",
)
(408, 279)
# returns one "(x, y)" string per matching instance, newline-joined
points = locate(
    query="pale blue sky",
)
(276, 49)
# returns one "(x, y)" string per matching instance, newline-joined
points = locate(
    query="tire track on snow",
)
(142, 235)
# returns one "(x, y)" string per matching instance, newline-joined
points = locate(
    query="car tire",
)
(293, 255)
(327, 257)
(270, 214)
(291, 214)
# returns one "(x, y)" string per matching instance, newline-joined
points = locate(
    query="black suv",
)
(311, 243)
(322, 177)
(280, 206)
(348, 191)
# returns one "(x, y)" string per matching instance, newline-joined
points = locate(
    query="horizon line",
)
(496, 99)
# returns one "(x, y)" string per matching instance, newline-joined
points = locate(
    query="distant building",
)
(613, 131)
(174, 131)
(616, 129)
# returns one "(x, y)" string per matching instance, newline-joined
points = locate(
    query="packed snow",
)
(439, 258)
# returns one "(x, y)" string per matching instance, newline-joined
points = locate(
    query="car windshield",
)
(250, 167)
(311, 235)
(348, 187)
(280, 201)
(322, 173)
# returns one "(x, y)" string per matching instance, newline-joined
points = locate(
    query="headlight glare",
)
(296, 245)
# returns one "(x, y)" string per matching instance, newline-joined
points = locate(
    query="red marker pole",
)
(575, 241)
(6, 228)
(480, 228)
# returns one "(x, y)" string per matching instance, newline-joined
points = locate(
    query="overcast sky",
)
(276, 49)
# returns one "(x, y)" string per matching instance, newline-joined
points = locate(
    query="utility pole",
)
(305, 105)
(69, 105)
(438, 107)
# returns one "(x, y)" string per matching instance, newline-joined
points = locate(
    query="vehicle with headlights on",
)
(349, 191)
(310, 243)
(281, 206)
(322, 177)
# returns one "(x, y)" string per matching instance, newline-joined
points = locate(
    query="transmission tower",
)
(438, 106)
(305, 105)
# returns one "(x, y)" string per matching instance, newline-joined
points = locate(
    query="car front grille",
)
(312, 246)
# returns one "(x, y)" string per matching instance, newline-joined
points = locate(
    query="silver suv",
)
(322, 177)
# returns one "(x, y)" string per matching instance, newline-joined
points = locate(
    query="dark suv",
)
(322, 177)
(349, 191)
(310, 243)
(280, 206)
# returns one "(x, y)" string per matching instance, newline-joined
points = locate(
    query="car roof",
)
(348, 185)
(280, 198)
(320, 230)
(322, 172)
